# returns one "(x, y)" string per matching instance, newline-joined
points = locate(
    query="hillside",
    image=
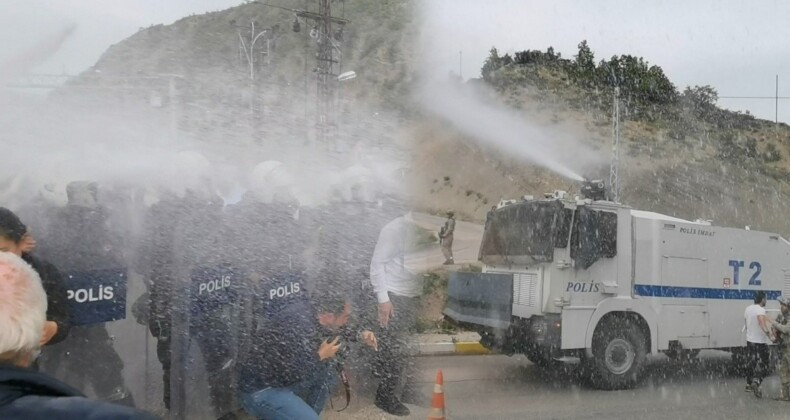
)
(213, 94)
(681, 154)
(691, 160)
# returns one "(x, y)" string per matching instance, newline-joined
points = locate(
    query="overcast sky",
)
(736, 46)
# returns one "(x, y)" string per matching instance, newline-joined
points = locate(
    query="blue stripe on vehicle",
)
(700, 292)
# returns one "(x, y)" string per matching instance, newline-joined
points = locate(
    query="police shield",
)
(96, 296)
(213, 291)
(204, 346)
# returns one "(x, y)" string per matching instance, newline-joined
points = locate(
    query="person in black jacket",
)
(15, 239)
(290, 358)
(296, 353)
(25, 393)
(192, 294)
(80, 242)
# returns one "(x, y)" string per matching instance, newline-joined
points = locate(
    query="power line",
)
(277, 7)
(754, 97)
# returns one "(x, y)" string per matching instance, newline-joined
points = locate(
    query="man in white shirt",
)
(758, 336)
(398, 289)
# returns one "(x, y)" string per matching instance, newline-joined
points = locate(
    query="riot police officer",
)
(80, 242)
(270, 242)
(192, 287)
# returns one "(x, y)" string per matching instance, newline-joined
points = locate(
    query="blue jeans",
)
(301, 401)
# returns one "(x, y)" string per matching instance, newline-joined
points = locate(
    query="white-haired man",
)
(25, 393)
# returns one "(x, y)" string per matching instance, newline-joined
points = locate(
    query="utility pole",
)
(327, 37)
(776, 110)
(614, 176)
(248, 47)
(325, 73)
(247, 51)
(328, 65)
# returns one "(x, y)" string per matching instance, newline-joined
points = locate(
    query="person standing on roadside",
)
(398, 289)
(782, 326)
(758, 336)
(490, 216)
(446, 235)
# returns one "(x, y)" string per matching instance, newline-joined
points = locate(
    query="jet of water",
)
(500, 127)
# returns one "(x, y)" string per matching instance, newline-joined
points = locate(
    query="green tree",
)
(585, 65)
(493, 63)
(700, 100)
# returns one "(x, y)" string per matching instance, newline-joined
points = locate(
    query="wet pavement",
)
(501, 387)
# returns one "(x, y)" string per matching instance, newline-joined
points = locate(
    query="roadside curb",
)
(471, 348)
(466, 348)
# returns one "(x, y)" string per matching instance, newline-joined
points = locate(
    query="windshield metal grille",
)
(525, 289)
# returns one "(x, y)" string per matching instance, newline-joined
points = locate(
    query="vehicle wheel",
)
(619, 354)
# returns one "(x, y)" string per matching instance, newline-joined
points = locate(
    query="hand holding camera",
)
(370, 339)
(328, 349)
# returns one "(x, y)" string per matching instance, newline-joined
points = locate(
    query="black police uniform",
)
(281, 347)
(191, 282)
(80, 243)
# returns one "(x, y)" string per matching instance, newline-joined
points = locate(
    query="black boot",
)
(391, 405)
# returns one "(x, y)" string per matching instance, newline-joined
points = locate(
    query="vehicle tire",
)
(619, 353)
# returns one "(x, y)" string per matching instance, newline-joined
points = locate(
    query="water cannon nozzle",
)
(594, 189)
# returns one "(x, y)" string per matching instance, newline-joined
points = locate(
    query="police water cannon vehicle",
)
(599, 281)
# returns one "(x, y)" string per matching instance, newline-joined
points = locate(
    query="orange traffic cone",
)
(437, 404)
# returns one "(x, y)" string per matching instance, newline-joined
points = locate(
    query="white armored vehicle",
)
(608, 284)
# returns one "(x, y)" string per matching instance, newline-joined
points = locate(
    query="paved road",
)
(466, 243)
(501, 387)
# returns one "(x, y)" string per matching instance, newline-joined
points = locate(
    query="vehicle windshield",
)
(594, 237)
(525, 233)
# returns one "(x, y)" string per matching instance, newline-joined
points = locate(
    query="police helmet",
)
(83, 194)
(272, 181)
(192, 172)
(357, 184)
